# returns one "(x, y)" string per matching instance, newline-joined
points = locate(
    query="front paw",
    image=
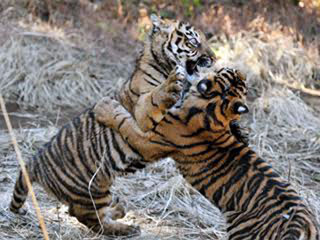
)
(180, 73)
(107, 110)
(174, 87)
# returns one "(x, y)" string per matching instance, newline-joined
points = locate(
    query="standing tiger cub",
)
(149, 92)
(255, 201)
(79, 164)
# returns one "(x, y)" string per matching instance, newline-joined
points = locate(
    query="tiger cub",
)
(147, 94)
(78, 167)
(79, 164)
(255, 201)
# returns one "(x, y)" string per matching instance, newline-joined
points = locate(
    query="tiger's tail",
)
(20, 192)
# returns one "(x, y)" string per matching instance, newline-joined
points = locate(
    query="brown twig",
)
(24, 170)
(300, 87)
(120, 9)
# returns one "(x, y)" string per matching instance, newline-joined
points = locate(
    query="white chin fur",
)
(191, 78)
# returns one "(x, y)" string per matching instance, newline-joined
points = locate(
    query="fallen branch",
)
(300, 87)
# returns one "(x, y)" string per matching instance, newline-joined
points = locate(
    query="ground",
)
(54, 64)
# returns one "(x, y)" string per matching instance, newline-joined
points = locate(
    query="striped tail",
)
(20, 193)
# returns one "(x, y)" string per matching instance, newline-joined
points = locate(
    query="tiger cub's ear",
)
(155, 20)
(158, 24)
(241, 75)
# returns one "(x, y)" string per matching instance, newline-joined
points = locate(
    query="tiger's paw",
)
(121, 229)
(180, 73)
(20, 211)
(114, 228)
(170, 92)
(118, 211)
(109, 112)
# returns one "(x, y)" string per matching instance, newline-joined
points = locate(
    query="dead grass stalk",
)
(24, 170)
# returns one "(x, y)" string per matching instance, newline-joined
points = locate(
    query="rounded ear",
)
(158, 24)
(241, 75)
(156, 21)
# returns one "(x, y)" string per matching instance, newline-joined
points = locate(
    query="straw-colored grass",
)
(54, 78)
(38, 71)
(24, 169)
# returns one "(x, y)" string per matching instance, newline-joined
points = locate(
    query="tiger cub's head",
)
(215, 102)
(174, 42)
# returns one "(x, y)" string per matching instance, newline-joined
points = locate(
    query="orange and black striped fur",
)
(256, 202)
(78, 165)
(149, 92)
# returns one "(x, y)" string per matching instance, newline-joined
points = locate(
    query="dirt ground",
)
(54, 63)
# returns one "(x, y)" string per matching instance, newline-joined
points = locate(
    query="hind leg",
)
(103, 220)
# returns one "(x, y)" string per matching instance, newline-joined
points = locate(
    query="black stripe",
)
(122, 121)
(211, 112)
(223, 169)
(109, 155)
(193, 111)
(175, 117)
(154, 122)
(151, 83)
(62, 166)
(167, 59)
(194, 134)
(152, 102)
(155, 67)
(117, 148)
(161, 70)
(73, 189)
(150, 76)
(131, 89)
(166, 120)
(158, 133)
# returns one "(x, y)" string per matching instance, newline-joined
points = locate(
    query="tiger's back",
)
(256, 202)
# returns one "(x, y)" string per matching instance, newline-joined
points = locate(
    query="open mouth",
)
(203, 61)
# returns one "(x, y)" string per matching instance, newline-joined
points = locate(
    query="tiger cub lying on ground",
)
(79, 164)
(256, 202)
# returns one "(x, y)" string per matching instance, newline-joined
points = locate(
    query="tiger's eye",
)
(193, 42)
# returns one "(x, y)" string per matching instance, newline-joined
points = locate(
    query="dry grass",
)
(42, 72)
(55, 77)
(24, 169)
